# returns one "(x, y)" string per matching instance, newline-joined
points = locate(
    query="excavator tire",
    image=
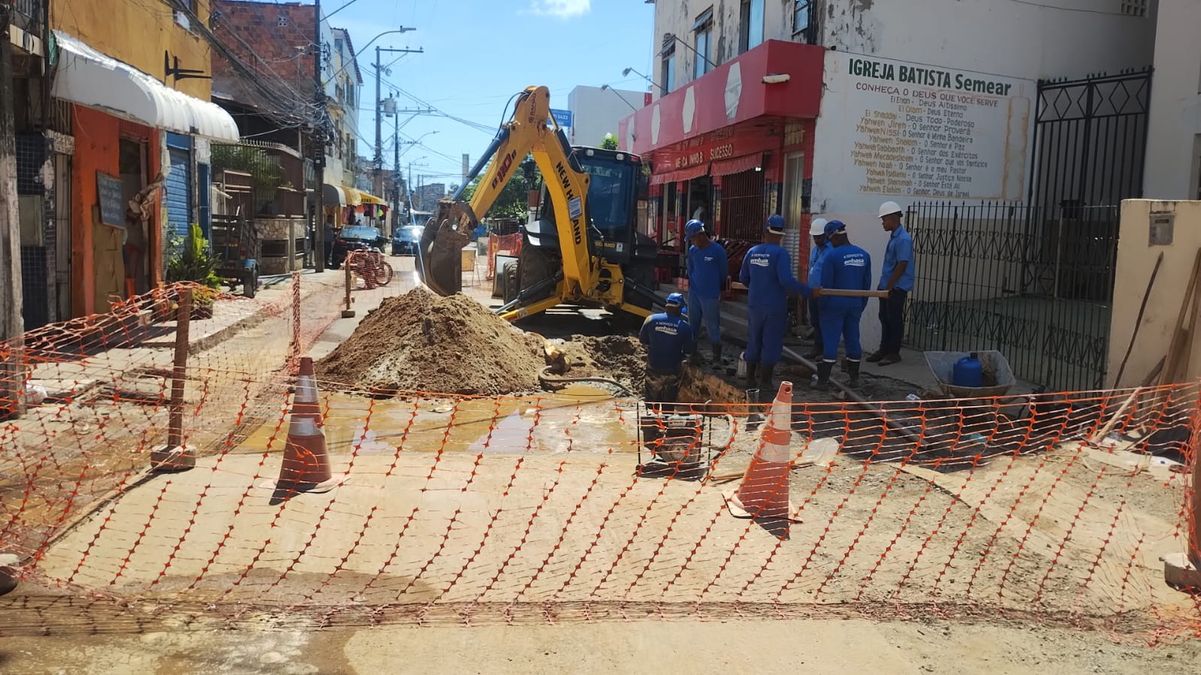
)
(535, 265)
(511, 284)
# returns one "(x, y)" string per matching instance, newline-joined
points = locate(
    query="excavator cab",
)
(617, 185)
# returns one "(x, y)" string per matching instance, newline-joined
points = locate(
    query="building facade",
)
(141, 122)
(343, 90)
(1174, 135)
(831, 107)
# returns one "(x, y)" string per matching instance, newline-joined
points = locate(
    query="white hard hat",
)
(817, 226)
(889, 208)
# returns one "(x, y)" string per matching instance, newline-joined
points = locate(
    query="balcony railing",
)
(29, 15)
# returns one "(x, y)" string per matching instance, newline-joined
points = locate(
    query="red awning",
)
(679, 176)
(737, 165)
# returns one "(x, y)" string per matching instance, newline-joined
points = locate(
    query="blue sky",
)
(478, 53)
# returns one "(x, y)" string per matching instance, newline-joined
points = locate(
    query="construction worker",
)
(767, 273)
(707, 272)
(896, 277)
(845, 266)
(668, 339)
(817, 230)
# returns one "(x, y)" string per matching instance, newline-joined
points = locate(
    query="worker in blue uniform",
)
(846, 267)
(817, 230)
(708, 269)
(767, 273)
(668, 339)
(896, 277)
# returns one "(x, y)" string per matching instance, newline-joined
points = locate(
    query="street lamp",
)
(626, 73)
(605, 87)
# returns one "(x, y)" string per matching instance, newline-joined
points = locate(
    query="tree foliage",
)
(610, 142)
(512, 201)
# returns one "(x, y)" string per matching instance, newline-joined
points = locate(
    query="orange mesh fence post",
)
(175, 456)
(348, 312)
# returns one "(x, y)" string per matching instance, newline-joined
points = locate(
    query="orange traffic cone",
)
(306, 466)
(763, 493)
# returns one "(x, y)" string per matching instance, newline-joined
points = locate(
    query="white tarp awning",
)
(88, 77)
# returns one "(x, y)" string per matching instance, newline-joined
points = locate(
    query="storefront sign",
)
(715, 146)
(928, 132)
(775, 79)
(562, 117)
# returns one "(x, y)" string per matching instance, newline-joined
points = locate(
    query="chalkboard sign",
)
(112, 199)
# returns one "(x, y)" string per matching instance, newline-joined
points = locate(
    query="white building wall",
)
(1002, 41)
(596, 111)
(993, 40)
(1173, 169)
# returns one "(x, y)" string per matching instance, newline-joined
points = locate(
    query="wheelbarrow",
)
(976, 416)
(998, 376)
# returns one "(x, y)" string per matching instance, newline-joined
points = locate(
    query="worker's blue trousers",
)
(765, 339)
(840, 323)
(708, 312)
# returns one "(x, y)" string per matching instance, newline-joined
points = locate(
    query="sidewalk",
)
(73, 374)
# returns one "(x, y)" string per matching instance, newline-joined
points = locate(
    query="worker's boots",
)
(853, 372)
(824, 368)
(762, 379)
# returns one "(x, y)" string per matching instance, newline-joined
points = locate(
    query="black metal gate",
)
(1035, 280)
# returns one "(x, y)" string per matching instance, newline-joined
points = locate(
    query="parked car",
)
(355, 238)
(404, 240)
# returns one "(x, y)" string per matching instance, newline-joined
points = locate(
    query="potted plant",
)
(191, 260)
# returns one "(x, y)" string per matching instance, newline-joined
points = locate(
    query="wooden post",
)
(348, 312)
(179, 370)
(12, 376)
(175, 456)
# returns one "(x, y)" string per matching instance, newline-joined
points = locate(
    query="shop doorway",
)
(700, 201)
(136, 251)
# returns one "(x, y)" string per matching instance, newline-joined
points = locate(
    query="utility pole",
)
(379, 149)
(409, 187)
(12, 381)
(318, 147)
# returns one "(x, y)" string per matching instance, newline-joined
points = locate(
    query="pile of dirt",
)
(618, 357)
(425, 342)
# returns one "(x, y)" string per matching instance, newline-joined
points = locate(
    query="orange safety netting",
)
(1049, 508)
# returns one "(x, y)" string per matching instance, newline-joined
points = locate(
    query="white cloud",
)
(563, 9)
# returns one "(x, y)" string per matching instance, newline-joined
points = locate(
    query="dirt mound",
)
(425, 342)
(619, 357)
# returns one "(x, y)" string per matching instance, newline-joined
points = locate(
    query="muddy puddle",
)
(579, 418)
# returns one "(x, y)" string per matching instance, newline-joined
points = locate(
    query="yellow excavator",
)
(581, 248)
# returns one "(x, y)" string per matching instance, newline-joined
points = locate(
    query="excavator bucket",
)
(439, 255)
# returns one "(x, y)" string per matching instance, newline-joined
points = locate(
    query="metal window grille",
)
(742, 206)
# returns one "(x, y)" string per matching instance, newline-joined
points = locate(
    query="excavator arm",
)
(526, 133)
